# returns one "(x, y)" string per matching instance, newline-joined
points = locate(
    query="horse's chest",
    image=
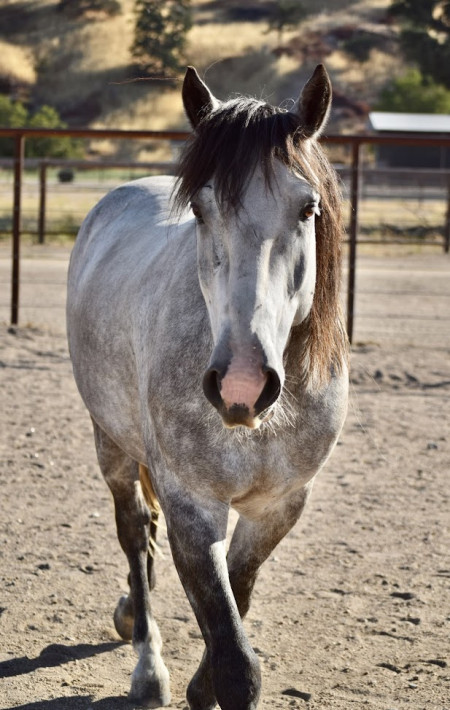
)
(255, 476)
(253, 470)
(276, 467)
(266, 479)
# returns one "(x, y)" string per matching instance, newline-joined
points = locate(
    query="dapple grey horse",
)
(208, 346)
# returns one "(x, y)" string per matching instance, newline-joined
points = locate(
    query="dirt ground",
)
(352, 609)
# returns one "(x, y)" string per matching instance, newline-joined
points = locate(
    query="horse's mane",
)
(229, 144)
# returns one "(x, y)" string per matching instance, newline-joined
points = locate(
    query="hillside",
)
(83, 67)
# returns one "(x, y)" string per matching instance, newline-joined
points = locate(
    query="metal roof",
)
(410, 122)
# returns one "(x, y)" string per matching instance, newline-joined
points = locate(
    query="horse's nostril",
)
(211, 388)
(270, 393)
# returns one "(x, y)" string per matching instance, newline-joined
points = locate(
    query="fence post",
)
(19, 144)
(447, 222)
(354, 197)
(42, 201)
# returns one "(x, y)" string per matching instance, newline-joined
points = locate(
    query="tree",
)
(360, 44)
(285, 14)
(160, 34)
(13, 114)
(425, 35)
(412, 93)
(52, 147)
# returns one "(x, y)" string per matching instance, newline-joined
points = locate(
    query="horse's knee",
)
(124, 617)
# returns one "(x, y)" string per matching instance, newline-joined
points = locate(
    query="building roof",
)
(409, 122)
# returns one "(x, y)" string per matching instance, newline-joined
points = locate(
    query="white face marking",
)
(257, 273)
(259, 248)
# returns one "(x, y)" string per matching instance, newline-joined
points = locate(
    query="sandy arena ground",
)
(352, 609)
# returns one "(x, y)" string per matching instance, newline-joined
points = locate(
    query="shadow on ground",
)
(82, 702)
(54, 655)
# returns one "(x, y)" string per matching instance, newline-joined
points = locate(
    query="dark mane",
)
(229, 144)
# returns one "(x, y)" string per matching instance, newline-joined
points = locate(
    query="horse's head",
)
(244, 175)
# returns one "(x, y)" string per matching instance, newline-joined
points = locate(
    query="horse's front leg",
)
(197, 533)
(251, 544)
(133, 617)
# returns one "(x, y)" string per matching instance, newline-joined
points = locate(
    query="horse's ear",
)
(313, 105)
(197, 99)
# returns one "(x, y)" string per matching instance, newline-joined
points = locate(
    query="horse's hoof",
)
(149, 699)
(202, 706)
(200, 693)
(150, 685)
(150, 693)
(124, 618)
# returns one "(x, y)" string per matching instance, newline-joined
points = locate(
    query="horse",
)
(208, 345)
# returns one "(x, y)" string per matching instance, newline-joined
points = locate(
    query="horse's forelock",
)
(229, 144)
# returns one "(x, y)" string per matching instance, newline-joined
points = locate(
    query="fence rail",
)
(355, 142)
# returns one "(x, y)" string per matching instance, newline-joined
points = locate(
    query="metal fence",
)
(363, 185)
(396, 205)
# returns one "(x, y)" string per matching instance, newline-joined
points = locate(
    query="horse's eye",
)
(308, 212)
(197, 212)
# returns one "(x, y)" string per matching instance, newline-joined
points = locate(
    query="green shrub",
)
(58, 147)
(14, 114)
(425, 35)
(413, 93)
(66, 175)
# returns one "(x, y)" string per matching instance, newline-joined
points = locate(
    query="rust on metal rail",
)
(442, 139)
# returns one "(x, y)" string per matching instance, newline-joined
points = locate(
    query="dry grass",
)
(88, 71)
(145, 108)
(68, 204)
(17, 63)
(389, 251)
(108, 41)
(211, 42)
(342, 12)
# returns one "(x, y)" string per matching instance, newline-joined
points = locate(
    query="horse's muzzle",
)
(241, 397)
